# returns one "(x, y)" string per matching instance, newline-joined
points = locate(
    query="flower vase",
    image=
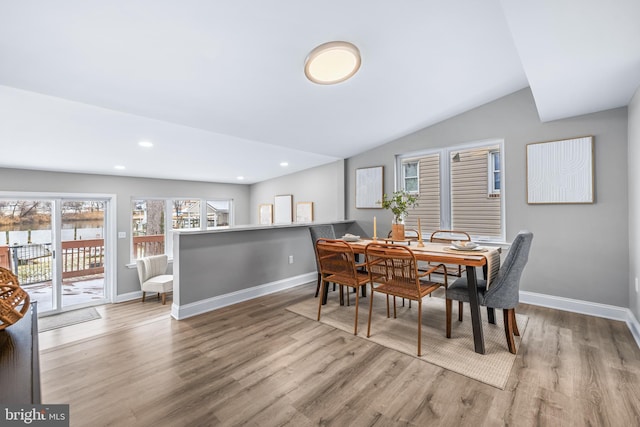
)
(397, 231)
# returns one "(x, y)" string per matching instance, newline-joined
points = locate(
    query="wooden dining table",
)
(442, 253)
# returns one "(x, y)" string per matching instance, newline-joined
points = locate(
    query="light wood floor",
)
(256, 363)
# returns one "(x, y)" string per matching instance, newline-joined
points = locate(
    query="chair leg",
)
(448, 305)
(318, 285)
(394, 307)
(370, 310)
(491, 315)
(460, 311)
(355, 326)
(516, 332)
(164, 298)
(323, 288)
(325, 294)
(143, 293)
(387, 304)
(419, 327)
(508, 329)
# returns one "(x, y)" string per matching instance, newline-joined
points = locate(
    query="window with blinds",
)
(459, 188)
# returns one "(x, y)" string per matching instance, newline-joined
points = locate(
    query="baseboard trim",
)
(129, 296)
(214, 303)
(634, 326)
(585, 307)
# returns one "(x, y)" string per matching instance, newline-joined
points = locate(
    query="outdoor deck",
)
(79, 290)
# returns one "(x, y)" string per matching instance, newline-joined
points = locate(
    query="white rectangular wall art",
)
(369, 187)
(560, 171)
(283, 206)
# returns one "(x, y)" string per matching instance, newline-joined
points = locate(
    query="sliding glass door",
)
(56, 248)
(82, 252)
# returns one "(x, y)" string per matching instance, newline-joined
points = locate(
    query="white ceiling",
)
(218, 86)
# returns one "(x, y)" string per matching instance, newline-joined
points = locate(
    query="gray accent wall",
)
(634, 202)
(125, 188)
(322, 185)
(578, 251)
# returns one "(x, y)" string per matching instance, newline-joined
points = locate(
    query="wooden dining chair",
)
(503, 292)
(338, 265)
(448, 236)
(394, 272)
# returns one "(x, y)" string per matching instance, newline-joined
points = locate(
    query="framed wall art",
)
(561, 171)
(304, 212)
(369, 187)
(265, 214)
(283, 209)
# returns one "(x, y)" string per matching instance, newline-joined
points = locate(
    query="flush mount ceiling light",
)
(332, 62)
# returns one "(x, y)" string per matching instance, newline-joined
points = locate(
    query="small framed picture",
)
(304, 212)
(265, 214)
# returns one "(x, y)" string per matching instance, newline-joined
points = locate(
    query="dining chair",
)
(502, 293)
(393, 271)
(338, 265)
(318, 232)
(448, 236)
(153, 277)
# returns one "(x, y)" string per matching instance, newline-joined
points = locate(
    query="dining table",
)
(443, 253)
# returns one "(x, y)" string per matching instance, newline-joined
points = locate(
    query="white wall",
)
(322, 185)
(634, 202)
(578, 251)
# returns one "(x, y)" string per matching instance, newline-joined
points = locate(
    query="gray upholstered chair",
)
(151, 272)
(321, 232)
(504, 290)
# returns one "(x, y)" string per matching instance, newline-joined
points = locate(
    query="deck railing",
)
(148, 245)
(33, 263)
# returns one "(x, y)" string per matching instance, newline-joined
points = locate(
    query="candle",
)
(420, 244)
(375, 235)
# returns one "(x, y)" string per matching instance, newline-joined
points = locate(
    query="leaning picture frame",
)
(265, 214)
(561, 172)
(304, 212)
(283, 209)
(369, 187)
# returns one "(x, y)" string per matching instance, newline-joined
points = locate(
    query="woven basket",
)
(14, 301)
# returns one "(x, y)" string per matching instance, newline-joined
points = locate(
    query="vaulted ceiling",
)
(218, 85)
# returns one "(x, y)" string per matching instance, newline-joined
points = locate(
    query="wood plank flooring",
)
(257, 364)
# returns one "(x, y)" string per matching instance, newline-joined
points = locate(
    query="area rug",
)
(68, 318)
(455, 354)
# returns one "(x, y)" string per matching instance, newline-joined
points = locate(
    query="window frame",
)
(416, 177)
(446, 153)
(168, 220)
(491, 173)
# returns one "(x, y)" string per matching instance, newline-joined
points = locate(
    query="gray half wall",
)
(18, 180)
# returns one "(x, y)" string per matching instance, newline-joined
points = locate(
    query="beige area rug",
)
(455, 354)
(67, 318)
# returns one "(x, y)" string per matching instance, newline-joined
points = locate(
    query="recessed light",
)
(332, 62)
(283, 164)
(119, 167)
(240, 178)
(145, 144)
